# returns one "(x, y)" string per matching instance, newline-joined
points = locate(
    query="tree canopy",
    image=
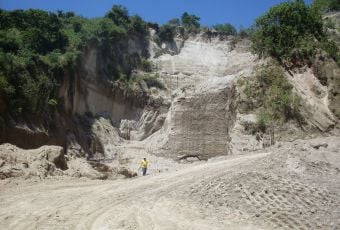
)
(290, 31)
(226, 28)
(190, 22)
(326, 5)
(38, 47)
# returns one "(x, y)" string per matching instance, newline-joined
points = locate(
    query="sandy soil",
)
(292, 185)
(151, 202)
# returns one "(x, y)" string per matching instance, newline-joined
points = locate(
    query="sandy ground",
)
(292, 185)
(151, 202)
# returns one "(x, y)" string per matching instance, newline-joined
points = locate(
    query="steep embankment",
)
(197, 107)
(201, 87)
(318, 105)
(194, 115)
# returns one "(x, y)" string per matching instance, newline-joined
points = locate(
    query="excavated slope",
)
(200, 81)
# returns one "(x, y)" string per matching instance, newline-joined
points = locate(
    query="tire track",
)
(155, 202)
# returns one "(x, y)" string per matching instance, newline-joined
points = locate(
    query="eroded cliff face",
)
(201, 88)
(92, 91)
(198, 105)
(317, 102)
(194, 115)
(200, 120)
(327, 72)
(87, 92)
(102, 104)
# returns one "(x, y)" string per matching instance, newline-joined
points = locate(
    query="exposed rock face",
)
(105, 136)
(101, 107)
(199, 121)
(315, 100)
(150, 122)
(92, 92)
(24, 136)
(200, 116)
(85, 90)
(173, 48)
(328, 73)
(200, 86)
(94, 114)
(206, 58)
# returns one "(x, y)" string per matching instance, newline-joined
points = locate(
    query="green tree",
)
(190, 22)
(226, 28)
(166, 32)
(326, 5)
(283, 31)
(245, 32)
(119, 15)
(137, 25)
(11, 40)
(39, 48)
(174, 22)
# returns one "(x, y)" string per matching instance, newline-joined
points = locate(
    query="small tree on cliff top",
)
(190, 22)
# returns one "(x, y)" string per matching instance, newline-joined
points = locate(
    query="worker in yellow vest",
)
(144, 165)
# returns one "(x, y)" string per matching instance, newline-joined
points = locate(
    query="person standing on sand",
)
(144, 165)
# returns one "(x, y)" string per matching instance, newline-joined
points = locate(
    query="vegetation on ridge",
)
(293, 33)
(37, 48)
(226, 28)
(327, 5)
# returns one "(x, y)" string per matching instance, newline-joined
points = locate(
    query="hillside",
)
(235, 140)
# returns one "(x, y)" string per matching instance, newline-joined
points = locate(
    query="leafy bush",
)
(40, 31)
(245, 32)
(326, 5)
(145, 65)
(11, 40)
(264, 119)
(226, 28)
(166, 33)
(137, 25)
(331, 48)
(330, 24)
(119, 15)
(5, 86)
(279, 97)
(175, 22)
(151, 80)
(275, 97)
(190, 22)
(33, 43)
(52, 102)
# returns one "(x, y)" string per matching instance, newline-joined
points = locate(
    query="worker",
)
(144, 165)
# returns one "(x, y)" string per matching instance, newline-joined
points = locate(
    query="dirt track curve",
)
(152, 202)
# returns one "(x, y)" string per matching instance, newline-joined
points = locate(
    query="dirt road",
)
(151, 202)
